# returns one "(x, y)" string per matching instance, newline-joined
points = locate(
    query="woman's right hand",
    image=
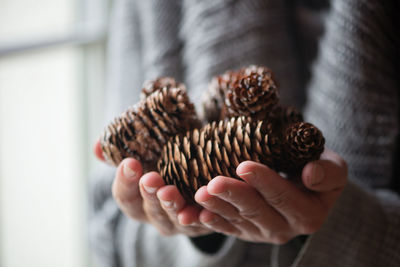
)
(146, 198)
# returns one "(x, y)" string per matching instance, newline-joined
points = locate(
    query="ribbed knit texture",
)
(221, 35)
(352, 96)
(354, 93)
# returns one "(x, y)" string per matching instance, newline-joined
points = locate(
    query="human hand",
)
(146, 198)
(265, 207)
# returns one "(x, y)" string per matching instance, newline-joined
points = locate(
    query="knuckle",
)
(235, 220)
(309, 227)
(124, 200)
(251, 213)
(166, 232)
(114, 191)
(278, 200)
(156, 213)
(279, 239)
(121, 197)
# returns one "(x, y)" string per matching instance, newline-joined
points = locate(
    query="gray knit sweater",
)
(337, 60)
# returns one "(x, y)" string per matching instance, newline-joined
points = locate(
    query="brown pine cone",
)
(142, 130)
(250, 91)
(153, 85)
(191, 161)
(254, 93)
(303, 143)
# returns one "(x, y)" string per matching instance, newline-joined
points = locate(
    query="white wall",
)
(42, 183)
(50, 114)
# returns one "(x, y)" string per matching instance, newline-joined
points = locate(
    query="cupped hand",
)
(265, 207)
(146, 198)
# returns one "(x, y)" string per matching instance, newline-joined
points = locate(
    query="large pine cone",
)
(143, 129)
(191, 161)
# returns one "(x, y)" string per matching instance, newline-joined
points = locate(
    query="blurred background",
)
(51, 94)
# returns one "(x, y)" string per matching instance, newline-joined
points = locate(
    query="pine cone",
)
(254, 93)
(303, 143)
(164, 127)
(249, 91)
(153, 85)
(142, 130)
(191, 161)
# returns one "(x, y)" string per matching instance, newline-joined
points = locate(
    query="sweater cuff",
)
(354, 227)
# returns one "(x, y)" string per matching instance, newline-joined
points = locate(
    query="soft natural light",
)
(51, 85)
(21, 19)
(41, 178)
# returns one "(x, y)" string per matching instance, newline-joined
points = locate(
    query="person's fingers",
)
(98, 152)
(294, 204)
(217, 223)
(227, 211)
(185, 217)
(174, 204)
(216, 205)
(327, 174)
(149, 184)
(253, 214)
(171, 200)
(189, 215)
(189, 222)
(125, 188)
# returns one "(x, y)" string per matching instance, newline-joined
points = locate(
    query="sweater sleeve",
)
(354, 98)
(362, 230)
(104, 217)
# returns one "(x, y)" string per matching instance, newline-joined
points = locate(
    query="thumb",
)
(327, 174)
(98, 151)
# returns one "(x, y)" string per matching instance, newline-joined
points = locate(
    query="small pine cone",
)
(303, 143)
(153, 85)
(253, 94)
(191, 161)
(143, 130)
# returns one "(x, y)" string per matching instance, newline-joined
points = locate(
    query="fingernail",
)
(180, 220)
(205, 202)
(226, 193)
(149, 189)
(128, 172)
(318, 174)
(210, 223)
(250, 175)
(168, 204)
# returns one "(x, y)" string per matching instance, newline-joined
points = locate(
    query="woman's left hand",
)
(265, 207)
